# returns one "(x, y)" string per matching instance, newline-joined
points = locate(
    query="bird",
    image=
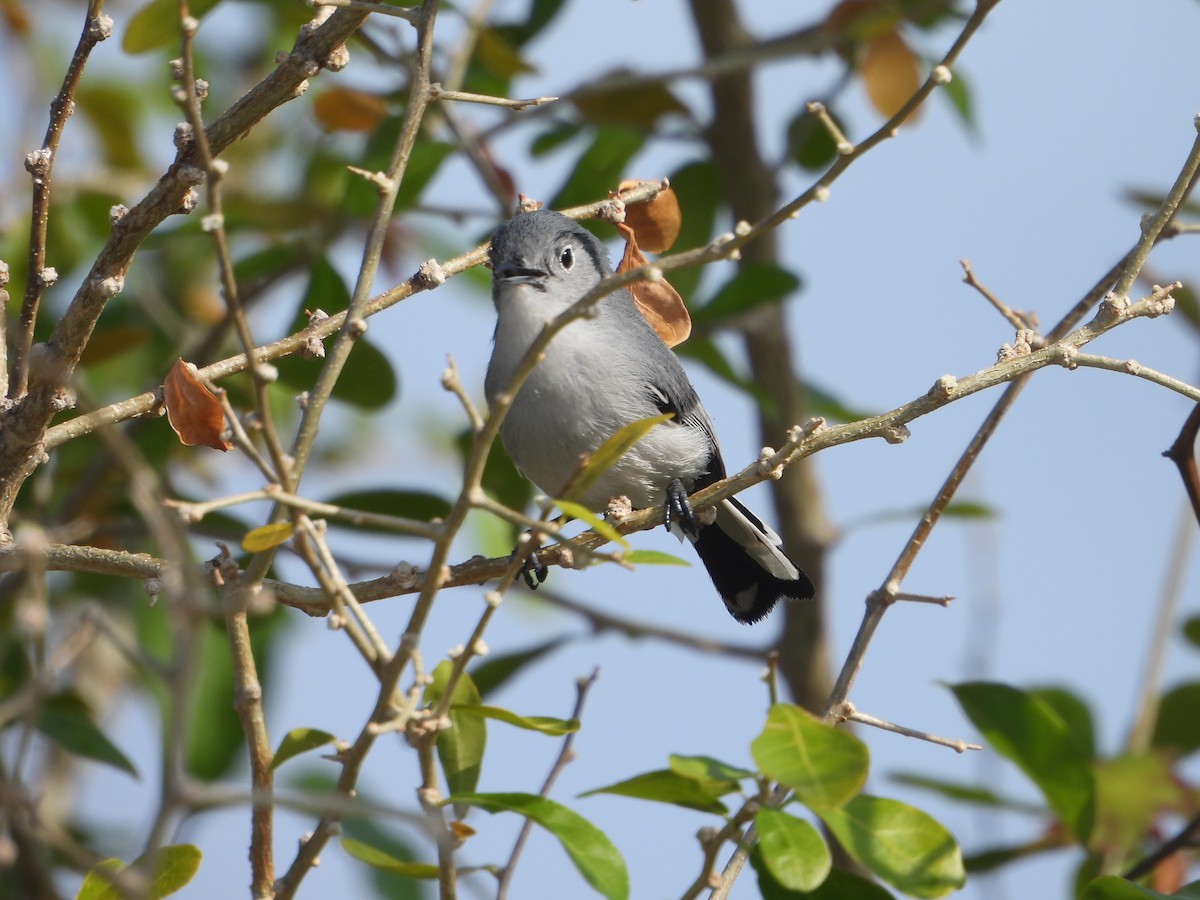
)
(600, 373)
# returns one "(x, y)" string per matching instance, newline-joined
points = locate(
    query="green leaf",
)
(825, 403)
(169, 869)
(593, 521)
(809, 142)
(636, 106)
(540, 724)
(706, 352)
(589, 849)
(665, 786)
(901, 845)
(378, 859)
(599, 168)
(964, 793)
(156, 24)
(653, 558)
(1074, 713)
(699, 191)
(1113, 887)
(754, 285)
(958, 92)
(1025, 730)
(823, 765)
(990, 858)
(1131, 793)
(420, 505)
(460, 747)
(839, 885)
(794, 852)
(494, 671)
(67, 721)
(705, 768)
(606, 455)
(1177, 727)
(1191, 630)
(300, 740)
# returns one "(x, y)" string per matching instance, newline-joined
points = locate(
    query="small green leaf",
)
(1025, 730)
(1191, 631)
(1113, 887)
(638, 106)
(958, 92)
(540, 724)
(752, 286)
(593, 521)
(264, 537)
(599, 166)
(990, 858)
(965, 793)
(1132, 792)
(66, 720)
(665, 786)
(1177, 727)
(169, 869)
(593, 854)
(494, 671)
(903, 846)
(460, 747)
(300, 740)
(377, 859)
(823, 765)
(839, 885)
(809, 142)
(792, 849)
(705, 768)
(420, 505)
(606, 455)
(156, 24)
(652, 558)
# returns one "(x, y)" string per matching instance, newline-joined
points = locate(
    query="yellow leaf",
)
(264, 537)
(889, 72)
(345, 109)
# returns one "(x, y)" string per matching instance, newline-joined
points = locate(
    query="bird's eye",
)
(567, 258)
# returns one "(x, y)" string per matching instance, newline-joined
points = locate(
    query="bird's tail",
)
(747, 565)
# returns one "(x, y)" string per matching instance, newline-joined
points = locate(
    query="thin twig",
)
(565, 755)
(1017, 320)
(1185, 837)
(382, 9)
(40, 164)
(437, 92)
(847, 713)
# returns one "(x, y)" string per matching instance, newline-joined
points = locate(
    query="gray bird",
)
(598, 375)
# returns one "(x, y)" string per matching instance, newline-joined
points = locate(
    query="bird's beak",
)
(517, 274)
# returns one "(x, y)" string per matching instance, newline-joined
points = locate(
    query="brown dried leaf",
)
(658, 302)
(344, 109)
(192, 411)
(655, 222)
(890, 73)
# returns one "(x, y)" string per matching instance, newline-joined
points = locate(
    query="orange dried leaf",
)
(460, 830)
(658, 302)
(192, 411)
(889, 72)
(656, 222)
(344, 109)
(264, 537)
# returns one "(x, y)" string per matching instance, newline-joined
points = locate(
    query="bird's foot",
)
(679, 517)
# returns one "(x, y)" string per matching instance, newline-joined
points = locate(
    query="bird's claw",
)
(678, 512)
(532, 571)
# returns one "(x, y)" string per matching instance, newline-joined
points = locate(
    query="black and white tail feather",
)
(599, 374)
